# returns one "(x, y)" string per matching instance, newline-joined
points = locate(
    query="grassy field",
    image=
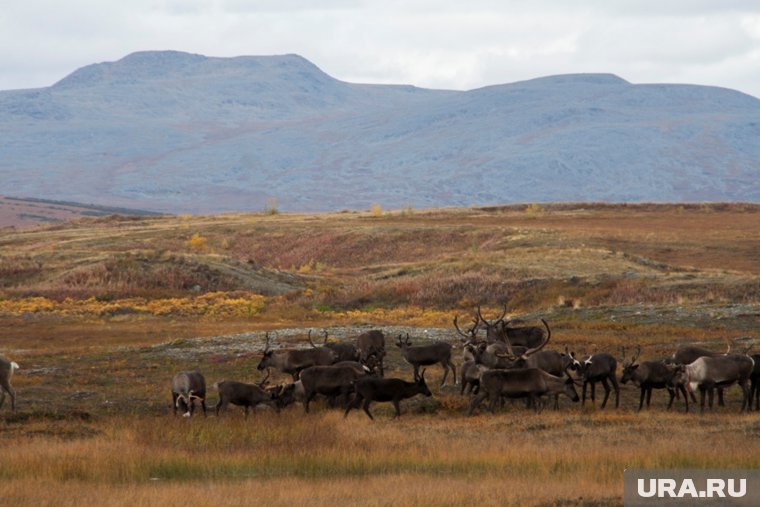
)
(101, 312)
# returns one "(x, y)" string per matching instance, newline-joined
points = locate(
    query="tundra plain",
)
(100, 313)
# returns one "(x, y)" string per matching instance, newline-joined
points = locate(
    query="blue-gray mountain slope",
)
(176, 132)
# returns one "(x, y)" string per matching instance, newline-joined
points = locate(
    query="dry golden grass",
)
(517, 458)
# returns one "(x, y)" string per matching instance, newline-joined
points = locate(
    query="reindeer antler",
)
(311, 342)
(499, 319)
(266, 345)
(636, 357)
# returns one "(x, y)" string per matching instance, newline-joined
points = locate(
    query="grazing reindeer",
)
(650, 375)
(188, 386)
(530, 383)
(292, 361)
(707, 373)
(425, 355)
(369, 389)
(244, 395)
(329, 381)
(499, 330)
(6, 372)
(343, 351)
(371, 345)
(599, 367)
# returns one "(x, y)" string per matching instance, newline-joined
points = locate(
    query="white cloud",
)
(432, 43)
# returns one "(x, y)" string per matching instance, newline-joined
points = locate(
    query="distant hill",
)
(178, 132)
(15, 212)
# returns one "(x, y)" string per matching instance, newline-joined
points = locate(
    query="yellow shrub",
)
(198, 243)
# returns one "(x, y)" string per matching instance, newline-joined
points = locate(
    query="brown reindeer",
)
(426, 355)
(292, 361)
(369, 389)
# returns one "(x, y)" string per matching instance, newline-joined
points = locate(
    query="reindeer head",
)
(630, 367)
(188, 400)
(422, 387)
(402, 343)
(495, 329)
(266, 360)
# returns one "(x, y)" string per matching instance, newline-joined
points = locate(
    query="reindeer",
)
(329, 381)
(425, 355)
(469, 339)
(244, 395)
(470, 373)
(650, 375)
(6, 372)
(371, 345)
(343, 351)
(530, 383)
(499, 330)
(707, 373)
(188, 386)
(595, 368)
(552, 362)
(292, 361)
(687, 354)
(369, 389)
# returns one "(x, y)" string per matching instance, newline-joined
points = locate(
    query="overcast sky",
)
(429, 43)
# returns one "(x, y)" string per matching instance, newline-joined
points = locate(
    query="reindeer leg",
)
(445, 372)
(219, 405)
(649, 396)
(476, 401)
(641, 398)
(397, 406)
(607, 390)
(710, 394)
(174, 401)
(2, 398)
(492, 402)
(745, 395)
(685, 396)
(720, 398)
(307, 399)
(672, 393)
(453, 370)
(203, 406)
(366, 408)
(617, 390)
(702, 390)
(556, 402)
(353, 404)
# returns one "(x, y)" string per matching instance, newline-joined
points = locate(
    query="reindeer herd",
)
(500, 362)
(509, 363)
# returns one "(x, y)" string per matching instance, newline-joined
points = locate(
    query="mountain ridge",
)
(179, 132)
